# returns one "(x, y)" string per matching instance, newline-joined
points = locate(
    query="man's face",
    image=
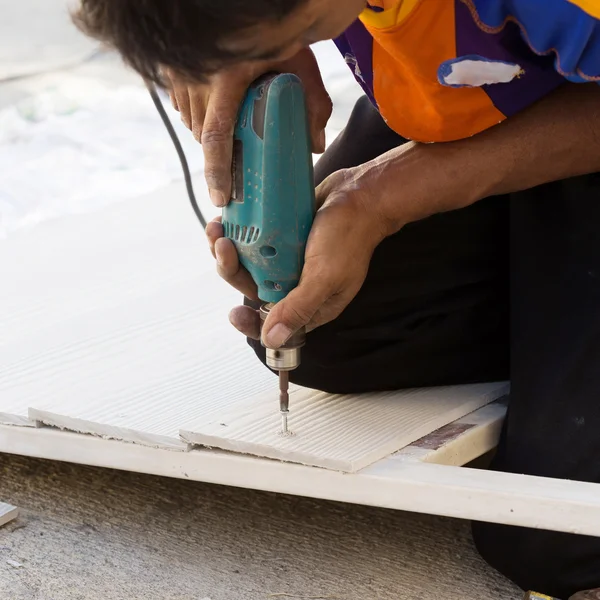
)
(312, 22)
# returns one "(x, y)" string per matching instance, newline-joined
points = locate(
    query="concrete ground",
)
(88, 533)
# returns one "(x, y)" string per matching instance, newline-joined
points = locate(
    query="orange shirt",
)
(441, 70)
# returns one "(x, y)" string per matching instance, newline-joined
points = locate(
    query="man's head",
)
(198, 37)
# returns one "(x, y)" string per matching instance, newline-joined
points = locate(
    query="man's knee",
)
(552, 563)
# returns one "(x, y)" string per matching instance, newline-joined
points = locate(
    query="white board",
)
(7, 513)
(116, 325)
(343, 432)
(512, 499)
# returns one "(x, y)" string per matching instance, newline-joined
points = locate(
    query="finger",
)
(173, 99)
(214, 231)
(318, 101)
(171, 90)
(170, 86)
(198, 110)
(217, 137)
(246, 320)
(182, 98)
(297, 310)
(230, 269)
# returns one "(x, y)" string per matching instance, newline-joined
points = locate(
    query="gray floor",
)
(88, 533)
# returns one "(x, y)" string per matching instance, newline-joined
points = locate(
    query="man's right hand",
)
(210, 112)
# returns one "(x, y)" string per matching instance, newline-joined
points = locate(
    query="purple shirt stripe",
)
(356, 46)
(539, 78)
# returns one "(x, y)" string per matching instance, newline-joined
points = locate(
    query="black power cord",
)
(184, 163)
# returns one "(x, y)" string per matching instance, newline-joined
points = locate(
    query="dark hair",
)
(183, 35)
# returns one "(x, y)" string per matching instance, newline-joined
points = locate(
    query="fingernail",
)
(278, 335)
(217, 197)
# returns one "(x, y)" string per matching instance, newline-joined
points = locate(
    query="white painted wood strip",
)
(343, 432)
(116, 325)
(462, 441)
(519, 500)
(8, 513)
(11, 417)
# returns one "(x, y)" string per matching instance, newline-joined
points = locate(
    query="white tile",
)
(344, 433)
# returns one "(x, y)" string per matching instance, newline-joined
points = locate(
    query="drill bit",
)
(284, 399)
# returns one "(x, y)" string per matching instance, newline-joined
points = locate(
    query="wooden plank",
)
(133, 346)
(520, 500)
(343, 432)
(11, 416)
(462, 441)
(8, 513)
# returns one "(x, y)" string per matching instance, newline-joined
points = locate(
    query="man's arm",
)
(557, 138)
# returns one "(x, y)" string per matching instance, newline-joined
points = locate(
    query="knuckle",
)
(297, 315)
(215, 135)
(215, 175)
(197, 132)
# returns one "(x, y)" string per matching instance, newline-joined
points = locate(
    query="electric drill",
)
(273, 203)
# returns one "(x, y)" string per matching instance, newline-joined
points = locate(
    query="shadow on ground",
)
(88, 533)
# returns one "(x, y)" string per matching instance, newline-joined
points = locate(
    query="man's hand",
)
(554, 139)
(210, 111)
(344, 235)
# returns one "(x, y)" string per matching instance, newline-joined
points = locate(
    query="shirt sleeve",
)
(569, 30)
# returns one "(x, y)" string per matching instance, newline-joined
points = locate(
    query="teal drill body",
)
(273, 203)
(273, 200)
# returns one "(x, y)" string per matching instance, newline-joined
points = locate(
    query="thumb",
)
(293, 312)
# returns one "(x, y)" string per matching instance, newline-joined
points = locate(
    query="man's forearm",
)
(557, 138)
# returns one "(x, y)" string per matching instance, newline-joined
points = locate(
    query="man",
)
(420, 248)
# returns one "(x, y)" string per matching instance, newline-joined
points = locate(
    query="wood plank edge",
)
(202, 440)
(462, 441)
(526, 501)
(108, 432)
(15, 420)
(8, 513)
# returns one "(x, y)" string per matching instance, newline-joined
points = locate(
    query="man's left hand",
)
(346, 230)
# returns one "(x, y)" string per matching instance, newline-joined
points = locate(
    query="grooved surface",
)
(116, 325)
(345, 433)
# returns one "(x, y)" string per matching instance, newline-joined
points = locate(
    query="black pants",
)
(506, 288)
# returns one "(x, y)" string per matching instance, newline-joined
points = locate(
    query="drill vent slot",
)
(240, 234)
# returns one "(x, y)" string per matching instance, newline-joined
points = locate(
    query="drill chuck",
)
(287, 357)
